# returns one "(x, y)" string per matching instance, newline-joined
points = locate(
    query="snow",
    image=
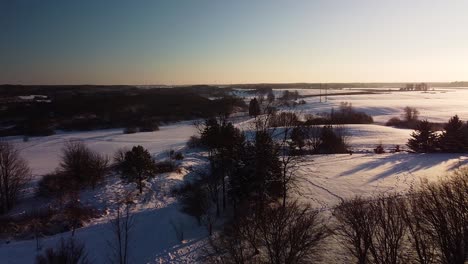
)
(436, 106)
(323, 180)
(367, 137)
(153, 240)
(43, 153)
(326, 179)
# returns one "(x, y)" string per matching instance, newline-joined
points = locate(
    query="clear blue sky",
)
(242, 41)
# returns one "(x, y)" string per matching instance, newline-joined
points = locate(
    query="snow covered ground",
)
(326, 179)
(436, 106)
(323, 179)
(43, 153)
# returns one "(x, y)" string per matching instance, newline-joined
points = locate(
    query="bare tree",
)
(420, 233)
(355, 227)
(313, 137)
(122, 227)
(388, 242)
(292, 234)
(274, 234)
(410, 114)
(444, 207)
(14, 174)
(289, 162)
(82, 166)
(67, 252)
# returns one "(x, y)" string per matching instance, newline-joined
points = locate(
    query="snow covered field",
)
(436, 106)
(43, 153)
(323, 179)
(326, 179)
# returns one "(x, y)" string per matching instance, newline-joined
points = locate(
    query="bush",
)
(165, 166)
(331, 141)
(39, 127)
(194, 142)
(54, 184)
(119, 158)
(67, 252)
(194, 200)
(394, 121)
(130, 130)
(283, 119)
(347, 115)
(379, 149)
(178, 156)
(149, 126)
(410, 119)
(82, 166)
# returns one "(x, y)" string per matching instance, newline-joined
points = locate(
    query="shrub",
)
(347, 115)
(130, 130)
(331, 141)
(67, 252)
(379, 149)
(82, 166)
(194, 142)
(283, 119)
(54, 184)
(178, 156)
(149, 126)
(394, 121)
(194, 200)
(39, 127)
(165, 166)
(119, 158)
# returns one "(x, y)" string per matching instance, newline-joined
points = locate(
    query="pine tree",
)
(138, 165)
(423, 139)
(271, 97)
(297, 139)
(254, 108)
(330, 142)
(453, 139)
(257, 172)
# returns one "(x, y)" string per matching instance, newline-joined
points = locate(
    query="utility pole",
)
(320, 92)
(326, 92)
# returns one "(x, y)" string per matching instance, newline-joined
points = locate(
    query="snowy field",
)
(436, 106)
(323, 179)
(43, 153)
(326, 179)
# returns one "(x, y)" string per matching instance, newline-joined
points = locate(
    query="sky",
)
(178, 42)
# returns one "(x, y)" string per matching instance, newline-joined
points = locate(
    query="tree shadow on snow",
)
(406, 163)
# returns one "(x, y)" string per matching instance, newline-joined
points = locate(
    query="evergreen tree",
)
(423, 139)
(224, 143)
(330, 142)
(271, 97)
(297, 139)
(257, 173)
(138, 165)
(453, 139)
(210, 135)
(254, 108)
